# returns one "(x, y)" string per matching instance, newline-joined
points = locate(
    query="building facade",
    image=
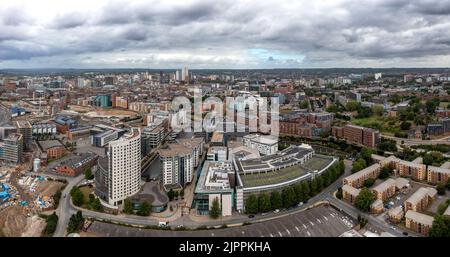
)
(118, 175)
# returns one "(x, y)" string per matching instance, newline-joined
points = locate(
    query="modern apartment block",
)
(438, 175)
(11, 148)
(25, 128)
(197, 145)
(216, 181)
(350, 193)
(119, 173)
(418, 222)
(420, 199)
(358, 135)
(357, 179)
(385, 190)
(177, 165)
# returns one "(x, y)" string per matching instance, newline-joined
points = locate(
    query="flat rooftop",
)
(273, 177)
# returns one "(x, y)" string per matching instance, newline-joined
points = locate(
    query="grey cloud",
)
(353, 29)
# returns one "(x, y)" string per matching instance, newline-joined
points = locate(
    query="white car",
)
(299, 204)
(276, 211)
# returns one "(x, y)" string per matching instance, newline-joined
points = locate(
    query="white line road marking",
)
(325, 218)
(319, 221)
(271, 235)
(312, 224)
(304, 226)
(288, 232)
(280, 233)
(307, 232)
(298, 230)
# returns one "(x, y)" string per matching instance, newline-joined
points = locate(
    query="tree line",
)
(293, 194)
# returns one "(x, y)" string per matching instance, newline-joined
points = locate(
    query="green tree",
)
(406, 125)
(306, 191)
(50, 226)
(440, 187)
(171, 194)
(440, 227)
(314, 187)
(369, 182)
(275, 200)
(251, 204)
(96, 205)
(303, 104)
(352, 106)
(366, 154)
(264, 202)
(288, 196)
(77, 196)
(358, 165)
(144, 209)
(364, 199)
(377, 109)
(385, 172)
(127, 206)
(75, 222)
(214, 212)
(339, 193)
(88, 174)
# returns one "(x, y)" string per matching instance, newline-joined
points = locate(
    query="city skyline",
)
(224, 34)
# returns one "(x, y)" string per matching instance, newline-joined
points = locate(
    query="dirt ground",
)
(15, 223)
(48, 188)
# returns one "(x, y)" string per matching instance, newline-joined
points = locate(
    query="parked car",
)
(299, 204)
(251, 216)
(276, 211)
(405, 233)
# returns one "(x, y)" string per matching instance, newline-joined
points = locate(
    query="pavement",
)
(321, 221)
(65, 210)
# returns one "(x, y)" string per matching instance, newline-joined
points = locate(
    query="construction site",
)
(23, 197)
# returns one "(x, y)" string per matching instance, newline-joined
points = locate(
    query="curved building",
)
(119, 173)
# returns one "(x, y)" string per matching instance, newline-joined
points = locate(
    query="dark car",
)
(405, 233)
(251, 216)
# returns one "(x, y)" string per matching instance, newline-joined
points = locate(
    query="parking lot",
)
(322, 221)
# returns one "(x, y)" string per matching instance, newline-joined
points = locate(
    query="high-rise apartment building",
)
(24, 127)
(119, 173)
(11, 148)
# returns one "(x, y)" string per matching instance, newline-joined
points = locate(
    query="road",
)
(65, 210)
(442, 141)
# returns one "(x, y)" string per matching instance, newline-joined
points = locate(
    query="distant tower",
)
(185, 74)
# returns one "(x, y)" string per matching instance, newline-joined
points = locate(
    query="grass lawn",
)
(273, 177)
(86, 192)
(318, 162)
(386, 125)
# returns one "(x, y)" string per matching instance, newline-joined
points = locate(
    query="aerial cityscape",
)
(226, 119)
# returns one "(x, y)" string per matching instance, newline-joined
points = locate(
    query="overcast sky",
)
(224, 33)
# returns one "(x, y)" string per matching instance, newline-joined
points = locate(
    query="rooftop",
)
(47, 144)
(273, 177)
(351, 190)
(363, 172)
(215, 177)
(421, 193)
(385, 185)
(419, 217)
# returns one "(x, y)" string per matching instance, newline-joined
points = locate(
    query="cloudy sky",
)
(224, 33)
